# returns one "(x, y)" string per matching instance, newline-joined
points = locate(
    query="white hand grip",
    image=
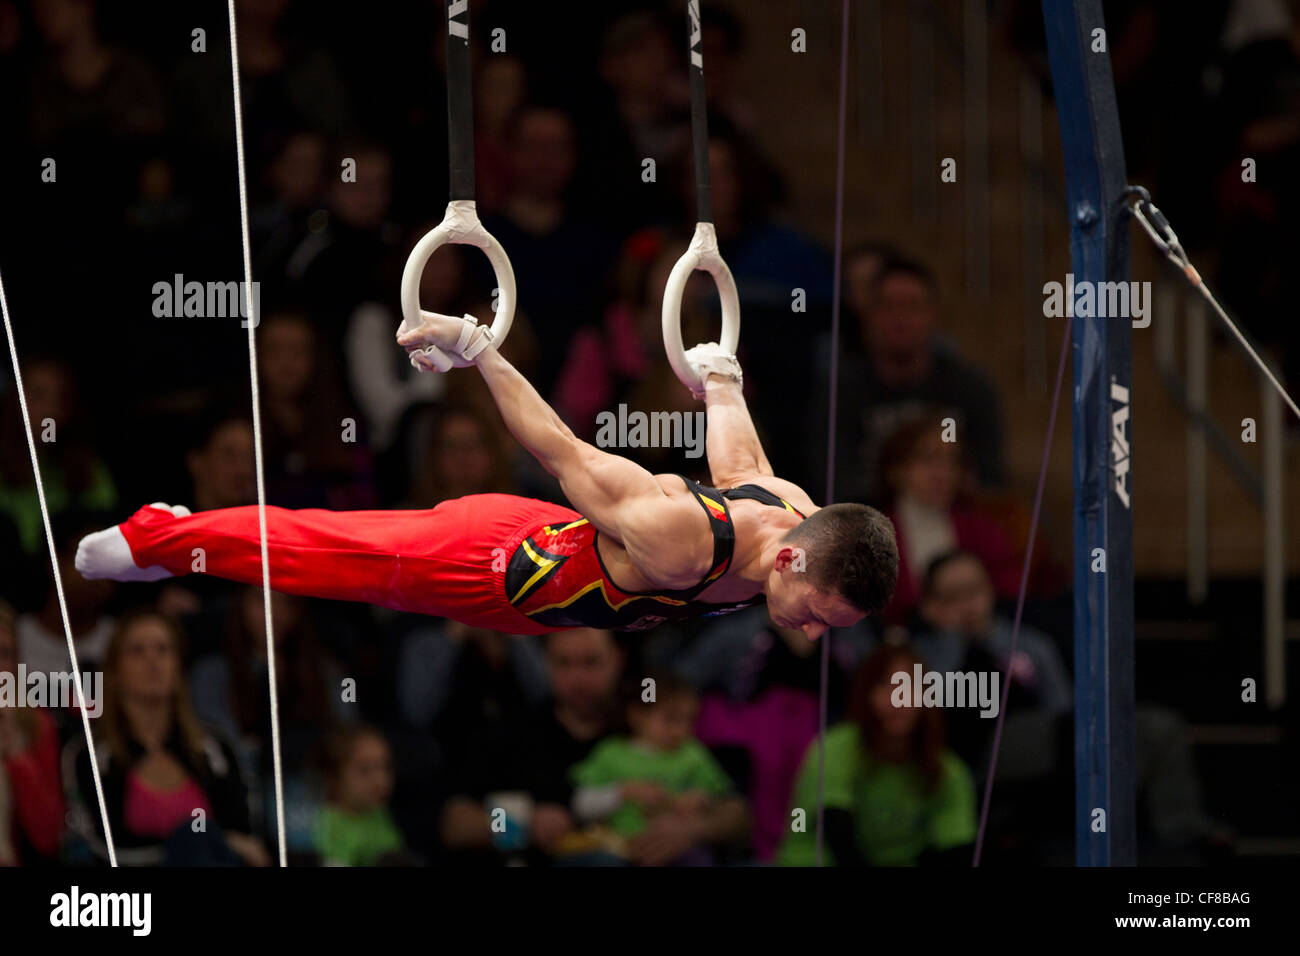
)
(460, 226)
(702, 254)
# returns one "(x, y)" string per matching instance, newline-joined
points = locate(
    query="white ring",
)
(702, 254)
(460, 226)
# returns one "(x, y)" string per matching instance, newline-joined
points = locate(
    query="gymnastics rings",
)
(702, 254)
(460, 226)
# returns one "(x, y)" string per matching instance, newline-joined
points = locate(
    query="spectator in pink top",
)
(173, 789)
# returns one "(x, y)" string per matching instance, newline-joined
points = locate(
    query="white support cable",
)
(252, 320)
(1232, 327)
(58, 581)
(1155, 224)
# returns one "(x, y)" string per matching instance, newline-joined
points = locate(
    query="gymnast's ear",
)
(786, 558)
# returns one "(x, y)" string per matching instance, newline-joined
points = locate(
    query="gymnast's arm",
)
(735, 455)
(619, 497)
(731, 442)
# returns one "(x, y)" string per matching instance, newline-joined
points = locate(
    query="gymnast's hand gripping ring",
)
(460, 226)
(702, 254)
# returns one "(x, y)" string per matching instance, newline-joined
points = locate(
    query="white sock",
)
(105, 554)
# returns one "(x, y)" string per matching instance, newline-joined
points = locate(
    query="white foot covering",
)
(105, 554)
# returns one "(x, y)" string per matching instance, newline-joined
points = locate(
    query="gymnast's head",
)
(834, 568)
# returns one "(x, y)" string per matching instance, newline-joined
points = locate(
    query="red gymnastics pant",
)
(442, 561)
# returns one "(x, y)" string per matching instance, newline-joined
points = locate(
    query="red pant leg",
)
(446, 561)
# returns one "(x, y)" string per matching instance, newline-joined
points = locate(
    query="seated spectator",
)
(768, 258)
(455, 678)
(83, 79)
(962, 633)
(662, 795)
(289, 82)
(965, 632)
(85, 92)
(760, 688)
(933, 513)
(31, 797)
(525, 763)
(454, 684)
(901, 365)
(315, 447)
(174, 792)
(380, 378)
(894, 794)
(231, 693)
(73, 474)
(466, 454)
(221, 463)
(640, 113)
(296, 182)
(561, 258)
(353, 251)
(862, 264)
(722, 37)
(500, 89)
(354, 827)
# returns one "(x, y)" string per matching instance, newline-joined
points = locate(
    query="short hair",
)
(935, 568)
(630, 31)
(336, 749)
(668, 685)
(901, 265)
(873, 248)
(212, 421)
(851, 549)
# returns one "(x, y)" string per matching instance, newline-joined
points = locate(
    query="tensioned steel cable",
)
(1155, 224)
(831, 407)
(1024, 587)
(252, 320)
(58, 581)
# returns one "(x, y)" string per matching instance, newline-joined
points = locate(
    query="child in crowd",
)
(354, 827)
(658, 768)
(895, 795)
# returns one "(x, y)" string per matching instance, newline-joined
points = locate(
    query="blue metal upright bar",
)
(1105, 828)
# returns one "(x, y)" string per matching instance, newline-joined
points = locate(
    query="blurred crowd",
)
(415, 741)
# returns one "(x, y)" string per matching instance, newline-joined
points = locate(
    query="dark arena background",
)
(1067, 393)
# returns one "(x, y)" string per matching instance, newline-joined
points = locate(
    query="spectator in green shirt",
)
(894, 794)
(355, 827)
(659, 789)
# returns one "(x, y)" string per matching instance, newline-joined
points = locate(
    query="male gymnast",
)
(638, 550)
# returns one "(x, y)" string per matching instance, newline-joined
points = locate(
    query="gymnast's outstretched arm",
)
(618, 496)
(659, 531)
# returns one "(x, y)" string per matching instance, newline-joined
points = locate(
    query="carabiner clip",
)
(1154, 222)
(1161, 233)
